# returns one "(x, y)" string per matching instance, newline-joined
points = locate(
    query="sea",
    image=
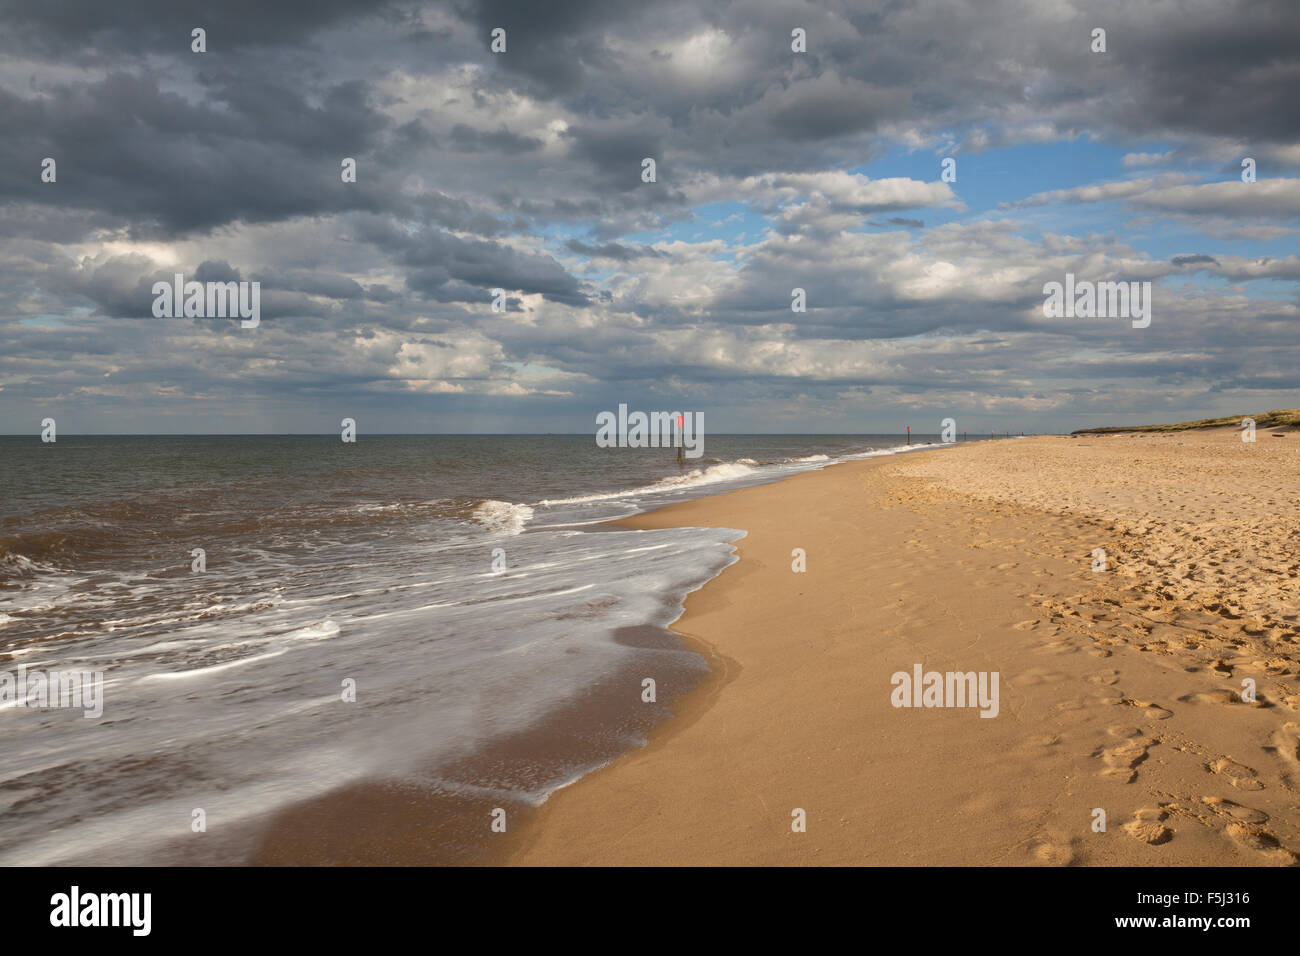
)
(277, 617)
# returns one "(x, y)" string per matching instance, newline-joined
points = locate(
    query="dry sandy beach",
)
(1120, 690)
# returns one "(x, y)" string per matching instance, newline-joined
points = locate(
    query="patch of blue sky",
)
(48, 321)
(986, 180)
(1153, 233)
(530, 369)
(1005, 175)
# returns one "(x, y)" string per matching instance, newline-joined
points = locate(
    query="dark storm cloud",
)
(1217, 68)
(1212, 70)
(466, 139)
(550, 46)
(615, 153)
(163, 166)
(436, 259)
(119, 287)
(60, 28)
(826, 108)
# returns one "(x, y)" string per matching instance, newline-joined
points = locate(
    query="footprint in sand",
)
(1239, 775)
(1057, 647)
(1220, 697)
(1211, 697)
(1037, 744)
(1072, 705)
(1274, 666)
(1147, 828)
(1250, 837)
(1286, 741)
(1286, 744)
(1235, 810)
(1152, 711)
(1106, 677)
(1054, 849)
(1122, 759)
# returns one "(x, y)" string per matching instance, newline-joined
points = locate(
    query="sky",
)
(522, 170)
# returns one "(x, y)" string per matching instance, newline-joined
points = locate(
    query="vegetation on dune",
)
(1282, 418)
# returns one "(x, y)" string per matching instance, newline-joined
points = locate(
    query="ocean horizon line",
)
(334, 434)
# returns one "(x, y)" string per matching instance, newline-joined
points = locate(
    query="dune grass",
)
(1282, 418)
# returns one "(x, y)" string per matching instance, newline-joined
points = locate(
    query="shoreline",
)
(1116, 693)
(1083, 710)
(401, 815)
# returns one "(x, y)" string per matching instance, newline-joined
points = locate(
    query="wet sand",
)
(473, 811)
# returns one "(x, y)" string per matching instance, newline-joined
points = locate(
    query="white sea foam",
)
(742, 470)
(726, 471)
(212, 669)
(315, 632)
(203, 613)
(503, 516)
